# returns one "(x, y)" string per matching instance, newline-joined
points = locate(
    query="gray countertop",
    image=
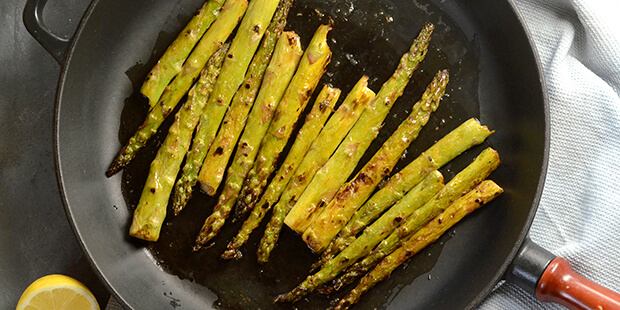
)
(35, 236)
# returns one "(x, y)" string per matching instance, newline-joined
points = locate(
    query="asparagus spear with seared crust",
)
(336, 171)
(322, 148)
(235, 118)
(151, 210)
(353, 194)
(311, 69)
(171, 61)
(463, 182)
(223, 26)
(285, 59)
(465, 136)
(473, 200)
(323, 106)
(371, 236)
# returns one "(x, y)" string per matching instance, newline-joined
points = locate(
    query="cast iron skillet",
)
(495, 76)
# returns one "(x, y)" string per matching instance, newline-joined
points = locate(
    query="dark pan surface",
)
(494, 77)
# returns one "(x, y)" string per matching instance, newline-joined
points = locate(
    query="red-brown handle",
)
(561, 284)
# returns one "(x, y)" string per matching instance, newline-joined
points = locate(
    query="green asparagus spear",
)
(151, 210)
(463, 182)
(285, 59)
(336, 171)
(473, 200)
(311, 69)
(223, 26)
(371, 236)
(465, 136)
(322, 148)
(235, 118)
(323, 106)
(353, 194)
(171, 61)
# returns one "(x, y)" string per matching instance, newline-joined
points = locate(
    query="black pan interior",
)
(494, 77)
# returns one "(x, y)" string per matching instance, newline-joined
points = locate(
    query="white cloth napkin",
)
(579, 214)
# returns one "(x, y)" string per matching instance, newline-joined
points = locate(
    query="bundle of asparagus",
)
(235, 117)
(472, 175)
(462, 183)
(325, 144)
(222, 27)
(151, 210)
(459, 140)
(340, 165)
(338, 212)
(292, 102)
(250, 93)
(473, 200)
(315, 120)
(171, 62)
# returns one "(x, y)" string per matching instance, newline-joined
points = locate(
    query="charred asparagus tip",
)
(230, 254)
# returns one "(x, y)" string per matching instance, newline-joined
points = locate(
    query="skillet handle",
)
(33, 20)
(561, 284)
(552, 279)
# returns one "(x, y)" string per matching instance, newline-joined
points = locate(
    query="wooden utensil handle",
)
(561, 284)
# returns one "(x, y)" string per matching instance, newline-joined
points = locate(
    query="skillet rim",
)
(64, 67)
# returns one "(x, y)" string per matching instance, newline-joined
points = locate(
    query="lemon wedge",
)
(57, 292)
